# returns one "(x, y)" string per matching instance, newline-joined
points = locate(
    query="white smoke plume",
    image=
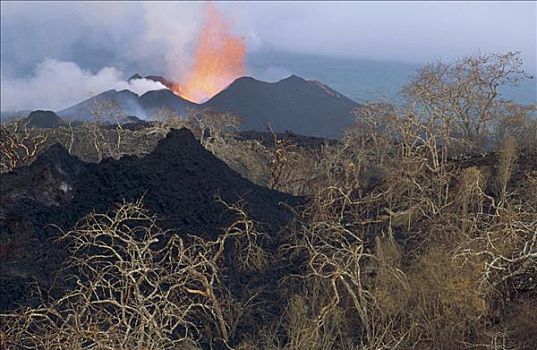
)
(74, 51)
(56, 85)
(171, 30)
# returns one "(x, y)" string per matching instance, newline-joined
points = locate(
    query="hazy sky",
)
(41, 40)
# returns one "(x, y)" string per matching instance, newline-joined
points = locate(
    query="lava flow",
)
(219, 59)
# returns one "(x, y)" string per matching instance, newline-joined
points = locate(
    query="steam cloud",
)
(59, 84)
(73, 50)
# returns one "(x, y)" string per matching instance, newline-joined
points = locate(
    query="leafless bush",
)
(291, 167)
(465, 94)
(137, 287)
(413, 154)
(334, 239)
(105, 111)
(209, 126)
(519, 122)
(506, 164)
(248, 157)
(422, 196)
(19, 145)
(507, 242)
(165, 119)
(445, 306)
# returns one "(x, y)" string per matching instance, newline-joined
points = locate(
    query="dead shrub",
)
(19, 145)
(446, 303)
(136, 287)
(506, 164)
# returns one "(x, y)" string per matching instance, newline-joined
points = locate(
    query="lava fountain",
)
(218, 60)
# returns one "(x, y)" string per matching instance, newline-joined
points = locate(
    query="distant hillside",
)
(7, 116)
(302, 106)
(126, 103)
(43, 119)
(359, 79)
(107, 105)
(154, 100)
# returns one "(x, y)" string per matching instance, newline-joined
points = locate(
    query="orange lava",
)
(219, 59)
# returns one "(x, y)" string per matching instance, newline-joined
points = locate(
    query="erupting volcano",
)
(219, 59)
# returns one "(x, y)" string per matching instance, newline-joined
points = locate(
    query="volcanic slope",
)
(305, 107)
(302, 106)
(178, 181)
(155, 100)
(112, 103)
(43, 119)
(105, 105)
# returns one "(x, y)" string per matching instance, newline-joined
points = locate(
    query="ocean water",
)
(358, 79)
